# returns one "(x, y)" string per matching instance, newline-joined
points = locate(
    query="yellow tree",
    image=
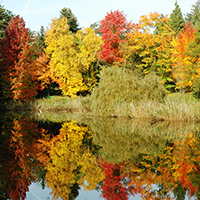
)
(70, 55)
(184, 69)
(151, 41)
(90, 45)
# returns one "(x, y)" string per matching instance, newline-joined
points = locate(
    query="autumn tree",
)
(18, 158)
(72, 57)
(193, 50)
(177, 21)
(5, 17)
(152, 43)
(185, 70)
(16, 62)
(114, 28)
(71, 19)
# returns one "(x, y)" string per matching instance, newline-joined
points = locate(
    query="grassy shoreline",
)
(175, 107)
(122, 93)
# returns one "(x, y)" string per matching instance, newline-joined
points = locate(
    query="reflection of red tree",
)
(113, 188)
(18, 166)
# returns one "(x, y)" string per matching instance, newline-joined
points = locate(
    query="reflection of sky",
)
(37, 193)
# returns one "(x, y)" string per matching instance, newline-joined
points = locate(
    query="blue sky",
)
(37, 13)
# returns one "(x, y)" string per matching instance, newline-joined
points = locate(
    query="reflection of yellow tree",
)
(72, 161)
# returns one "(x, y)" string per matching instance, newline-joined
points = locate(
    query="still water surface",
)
(96, 158)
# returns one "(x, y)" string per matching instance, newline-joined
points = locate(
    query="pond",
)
(66, 156)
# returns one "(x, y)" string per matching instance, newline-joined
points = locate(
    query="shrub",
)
(119, 87)
(151, 89)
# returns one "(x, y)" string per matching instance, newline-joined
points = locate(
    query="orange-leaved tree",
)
(184, 69)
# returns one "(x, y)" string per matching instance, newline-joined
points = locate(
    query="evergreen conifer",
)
(176, 16)
(72, 20)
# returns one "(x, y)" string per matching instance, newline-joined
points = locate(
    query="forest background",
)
(114, 67)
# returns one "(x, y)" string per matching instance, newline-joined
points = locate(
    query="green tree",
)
(194, 16)
(72, 20)
(39, 39)
(5, 17)
(176, 16)
(96, 27)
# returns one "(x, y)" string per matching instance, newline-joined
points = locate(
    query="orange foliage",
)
(184, 69)
(16, 64)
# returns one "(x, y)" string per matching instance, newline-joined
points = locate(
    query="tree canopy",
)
(71, 19)
(176, 16)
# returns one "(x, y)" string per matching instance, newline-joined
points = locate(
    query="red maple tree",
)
(16, 61)
(114, 28)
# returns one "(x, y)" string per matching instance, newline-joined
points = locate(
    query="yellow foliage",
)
(71, 161)
(151, 40)
(71, 56)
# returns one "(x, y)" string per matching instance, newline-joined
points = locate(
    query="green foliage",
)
(39, 39)
(71, 19)
(5, 17)
(196, 89)
(194, 15)
(96, 27)
(176, 16)
(119, 87)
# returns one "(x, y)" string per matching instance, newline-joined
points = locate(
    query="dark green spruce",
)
(5, 17)
(176, 16)
(72, 20)
(194, 16)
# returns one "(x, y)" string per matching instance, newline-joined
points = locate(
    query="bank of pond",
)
(72, 155)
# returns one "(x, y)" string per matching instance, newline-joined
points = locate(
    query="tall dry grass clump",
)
(176, 107)
(119, 87)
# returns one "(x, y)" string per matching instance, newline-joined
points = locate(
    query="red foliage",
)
(19, 158)
(16, 61)
(113, 28)
(112, 188)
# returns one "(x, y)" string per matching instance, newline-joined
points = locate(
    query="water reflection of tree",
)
(174, 170)
(71, 161)
(18, 157)
(113, 187)
(134, 157)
